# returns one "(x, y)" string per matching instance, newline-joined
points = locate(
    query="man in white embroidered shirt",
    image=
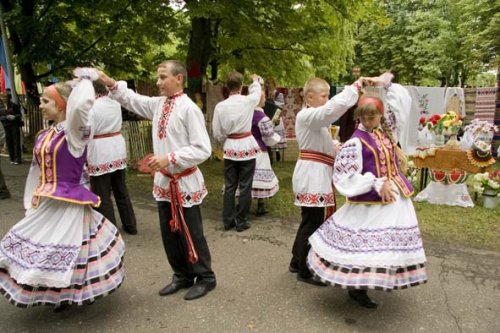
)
(232, 126)
(180, 143)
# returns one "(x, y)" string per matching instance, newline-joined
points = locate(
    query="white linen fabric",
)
(106, 155)
(234, 116)
(184, 140)
(312, 180)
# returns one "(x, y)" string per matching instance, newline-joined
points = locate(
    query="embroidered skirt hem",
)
(377, 278)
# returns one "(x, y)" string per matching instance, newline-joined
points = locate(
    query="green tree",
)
(438, 42)
(50, 37)
(290, 40)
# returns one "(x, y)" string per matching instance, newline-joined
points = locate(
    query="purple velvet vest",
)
(380, 159)
(60, 172)
(257, 116)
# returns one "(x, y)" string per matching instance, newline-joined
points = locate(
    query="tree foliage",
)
(438, 42)
(288, 39)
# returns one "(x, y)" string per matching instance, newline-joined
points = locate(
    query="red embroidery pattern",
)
(168, 107)
(172, 158)
(188, 198)
(315, 199)
(240, 154)
(94, 170)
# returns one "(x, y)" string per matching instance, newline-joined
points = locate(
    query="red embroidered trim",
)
(168, 107)
(172, 158)
(315, 199)
(107, 167)
(240, 154)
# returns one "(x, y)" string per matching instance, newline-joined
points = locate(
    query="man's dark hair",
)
(234, 81)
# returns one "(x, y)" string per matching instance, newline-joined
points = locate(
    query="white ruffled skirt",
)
(60, 253)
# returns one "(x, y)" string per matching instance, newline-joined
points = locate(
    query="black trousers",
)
(174, 244)
(4, 192)
(312, 218)
(13, 140)
(237, 173)
(114, 182)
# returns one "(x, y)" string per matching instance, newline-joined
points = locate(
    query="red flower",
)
(422, 120)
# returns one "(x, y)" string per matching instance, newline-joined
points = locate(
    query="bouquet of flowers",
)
(448, 123)
(489, 182)
(481, 129)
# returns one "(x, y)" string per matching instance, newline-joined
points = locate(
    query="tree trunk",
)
(32, 98)
(200, 51)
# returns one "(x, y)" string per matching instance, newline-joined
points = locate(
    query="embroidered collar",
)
(174, 96)
(59, 127)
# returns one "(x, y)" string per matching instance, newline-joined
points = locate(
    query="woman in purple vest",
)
(265, 183)
(62, 252)
(373, 241)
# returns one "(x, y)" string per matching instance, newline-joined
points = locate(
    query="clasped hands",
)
(158, 162)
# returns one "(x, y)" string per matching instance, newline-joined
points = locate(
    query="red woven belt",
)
(178, 223)
(239, 135)
(107, 135)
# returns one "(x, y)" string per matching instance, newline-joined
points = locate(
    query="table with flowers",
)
(448, 163)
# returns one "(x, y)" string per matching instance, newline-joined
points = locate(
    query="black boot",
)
(261, 208)
(361, 296)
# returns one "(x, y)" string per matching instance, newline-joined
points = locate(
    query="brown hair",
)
(176, 68)
(100, 88)
(234, 81)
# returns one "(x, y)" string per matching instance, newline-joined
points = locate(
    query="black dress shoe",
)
(242, 226)
(293, 269)
(200, 289)
(61, 307)
(361, 296)
(229, 226)
(310, 280)
(174, 287)
(131, 230)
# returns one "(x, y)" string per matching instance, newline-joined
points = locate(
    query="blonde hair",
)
(314, 85)
(63, 89)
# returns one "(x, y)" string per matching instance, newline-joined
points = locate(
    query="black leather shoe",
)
(174, 287)
(361, 296)
(229, 226)
(61, 307)
(131, 230)
(294, 266)
(261, 210)
(200, 289)
(311, 280)
(242, 227)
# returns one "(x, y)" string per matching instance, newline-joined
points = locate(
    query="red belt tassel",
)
(178, 223)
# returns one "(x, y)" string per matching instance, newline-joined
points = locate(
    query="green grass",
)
(476, 227)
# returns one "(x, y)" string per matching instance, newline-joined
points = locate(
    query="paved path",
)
(256, 293)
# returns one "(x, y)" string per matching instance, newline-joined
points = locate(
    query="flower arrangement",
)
(481, 129)
(412, 172)
(489, 182)
(447, 123)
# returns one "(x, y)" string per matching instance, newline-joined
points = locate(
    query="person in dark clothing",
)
(12, 121)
